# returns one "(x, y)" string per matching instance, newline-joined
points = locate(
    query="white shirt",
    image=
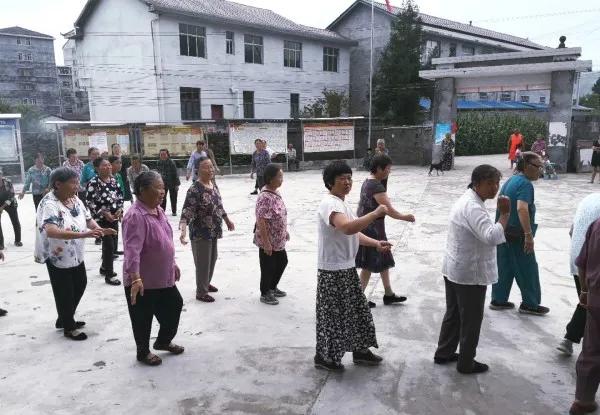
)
(336, 250)
(588, 211)
(61, 253)
(471, 245)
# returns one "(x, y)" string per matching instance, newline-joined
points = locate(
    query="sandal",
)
(172, 348)
(150, 359)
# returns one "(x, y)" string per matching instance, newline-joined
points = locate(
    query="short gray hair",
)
(144, 181)
(381, 141)
(62, 175)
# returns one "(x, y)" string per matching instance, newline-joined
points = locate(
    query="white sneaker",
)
(566, 347)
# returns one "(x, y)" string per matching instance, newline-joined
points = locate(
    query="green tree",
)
(397, 87)
(591, 101)
(332, 104)
(596, 87)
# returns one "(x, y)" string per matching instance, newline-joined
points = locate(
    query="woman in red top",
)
(515, 139)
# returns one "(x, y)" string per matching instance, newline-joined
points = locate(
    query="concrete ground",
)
(245, 357)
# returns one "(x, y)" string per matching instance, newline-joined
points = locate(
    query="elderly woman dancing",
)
(344, 320)
(373, 194)
(150, 271)
(203, 212)
(469, 267)
(63, 223)
(271, 235)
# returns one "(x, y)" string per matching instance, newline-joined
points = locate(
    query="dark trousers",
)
(14, 219)
(260, 181)
(172, 193)
(109, 247)
(588, 362)
(68, 286)
(36, 200)
(576, 326)
(462, 322)
(271, 269)
(166, 305)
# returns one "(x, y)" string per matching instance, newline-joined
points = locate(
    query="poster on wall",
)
(441, 129)
(585, 157)
(557, 136)
(242, 136)
(8, 141)
(81, 139)
(180, 141)
(320, 138)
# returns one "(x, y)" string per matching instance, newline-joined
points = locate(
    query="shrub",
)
(482, 133)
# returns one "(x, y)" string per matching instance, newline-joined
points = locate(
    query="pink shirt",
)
(270, 207)
(148, 247)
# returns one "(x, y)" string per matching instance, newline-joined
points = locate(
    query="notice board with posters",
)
(8, 141)
(321, 138)
(243, 135)
(81, 139)
(179, 140)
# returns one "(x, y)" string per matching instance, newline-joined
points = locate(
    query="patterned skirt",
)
(344, 320)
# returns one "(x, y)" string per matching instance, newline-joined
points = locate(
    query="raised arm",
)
(351, 227)
(383, 199)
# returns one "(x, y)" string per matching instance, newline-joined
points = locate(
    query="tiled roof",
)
(241, 14)
(467, 28)
(20, 31)
(451, 25)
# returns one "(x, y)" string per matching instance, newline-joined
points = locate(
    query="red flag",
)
(389, 6)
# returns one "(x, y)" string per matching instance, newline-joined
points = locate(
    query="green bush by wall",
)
(482, 133)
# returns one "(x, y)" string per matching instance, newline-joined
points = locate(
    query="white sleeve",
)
(483, 227)
(328, 207)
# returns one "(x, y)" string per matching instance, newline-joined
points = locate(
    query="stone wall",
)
(410, 145)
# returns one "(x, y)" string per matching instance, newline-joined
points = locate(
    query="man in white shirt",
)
(469, 267)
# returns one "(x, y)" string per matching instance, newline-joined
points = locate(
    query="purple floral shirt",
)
(270, 207)
(203, 212)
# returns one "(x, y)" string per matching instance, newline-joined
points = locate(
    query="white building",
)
(185, 60)
(442, 38)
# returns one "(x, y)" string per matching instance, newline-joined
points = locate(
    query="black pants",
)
(260, 182)
(14, 219)
(172, 192)
(68, 286)
(576, 326)
(165, 304)
(36, 200)
(462, 322)
(271, 269)
(109, 244)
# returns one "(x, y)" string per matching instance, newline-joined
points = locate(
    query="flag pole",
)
(371, 76)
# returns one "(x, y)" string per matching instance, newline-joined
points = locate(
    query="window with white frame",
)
(542, 100)
(28, 57)
(248, 101)
(524, 98)
(192, 40)
(253, 49)
(190, 103)
(331, 57)
(452, 51)
(461, 97)
(506, 96)
(19, 56)
(27, 87)
(294, 105)
(230, 43)
(483, 96)
(468, 50)
(431, 49)
(292, 54)
(29, 101)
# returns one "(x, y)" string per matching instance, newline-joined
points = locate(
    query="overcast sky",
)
(542, 21)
